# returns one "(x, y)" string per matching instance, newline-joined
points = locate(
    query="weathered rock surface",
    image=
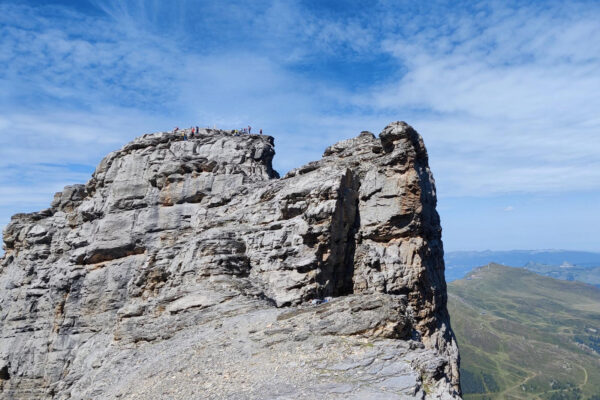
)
(186, 269)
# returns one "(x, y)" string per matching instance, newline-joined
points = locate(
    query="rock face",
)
(187, 269)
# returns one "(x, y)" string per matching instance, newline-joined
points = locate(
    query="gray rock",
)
(188, 269)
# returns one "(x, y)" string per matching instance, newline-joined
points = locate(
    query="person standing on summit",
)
(249, 129)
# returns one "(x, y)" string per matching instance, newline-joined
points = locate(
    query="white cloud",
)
(511, 99)
(506, 98)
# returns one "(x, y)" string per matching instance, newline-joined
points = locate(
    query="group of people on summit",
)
(244, 131)
(194, 130)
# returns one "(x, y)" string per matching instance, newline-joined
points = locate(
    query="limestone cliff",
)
(189, 269)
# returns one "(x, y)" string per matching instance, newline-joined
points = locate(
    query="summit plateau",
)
(188, 269)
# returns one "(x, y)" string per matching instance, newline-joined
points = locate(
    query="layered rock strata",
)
(189, 269)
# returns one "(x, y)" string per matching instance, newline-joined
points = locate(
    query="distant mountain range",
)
(561, 264)
(568, 272)
(526, 336)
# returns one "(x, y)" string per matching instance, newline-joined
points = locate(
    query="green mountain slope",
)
(526, 336)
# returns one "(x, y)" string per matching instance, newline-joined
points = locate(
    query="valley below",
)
(526, 336)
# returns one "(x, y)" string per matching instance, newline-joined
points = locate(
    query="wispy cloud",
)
(509, 96)
(505, 94)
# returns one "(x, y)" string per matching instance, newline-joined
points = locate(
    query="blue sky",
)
(506, 95)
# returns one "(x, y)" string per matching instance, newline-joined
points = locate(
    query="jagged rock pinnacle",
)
(188, 267)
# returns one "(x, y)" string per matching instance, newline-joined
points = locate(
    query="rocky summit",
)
(187, 269)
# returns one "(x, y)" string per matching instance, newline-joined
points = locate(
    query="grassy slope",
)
(518, 334)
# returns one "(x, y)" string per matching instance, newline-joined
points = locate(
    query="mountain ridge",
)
(185, 252)
(459, 263)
